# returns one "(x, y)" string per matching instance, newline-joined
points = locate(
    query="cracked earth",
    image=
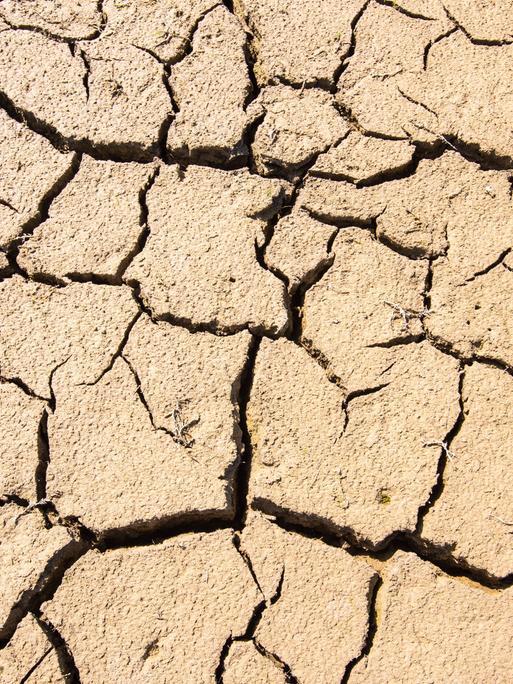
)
(256, 343)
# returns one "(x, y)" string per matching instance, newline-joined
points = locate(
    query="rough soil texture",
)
(256, 342)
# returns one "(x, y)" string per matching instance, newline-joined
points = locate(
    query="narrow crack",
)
(159, 530)
(371, 629)
(20, 384)
(433, 42)
(402, 10)
(249, 634)
(43, 448)
(118, 353)
(243, 472)
(355, 395)
(345, 61)
(87, 72)
(397, 342)
(7, 204)
(143, 222)
(65, 658)
(498, 262)
(42, 213)
(111, 151)
(476, 41)
(438, 486)
(44, 588)
(70, 40)
(175, 435)
(190, 39)
(34, 667)
(274, 658)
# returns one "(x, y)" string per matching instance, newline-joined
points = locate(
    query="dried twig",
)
(181, 432)
(406, 315)
(443, 445)
(31, 506)
(501, 520)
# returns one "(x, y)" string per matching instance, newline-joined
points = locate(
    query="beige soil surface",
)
(256, 341)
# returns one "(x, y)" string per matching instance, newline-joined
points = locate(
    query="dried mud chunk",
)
(485, 20)
(205, 270)
(141, 614)
(353, 314)
(245, 664)
(211, 87)
(340, 202)
(364, 467)
(117, 103)
(420, 214)
(72, 20)
(469, 88)
(20, 416)
(157, 435)
(94, 224)
(469, 312)
(30, 657)
(320, 598)
(296, 126)
(162, 26)
(444, 196)
(194, 378)
(473, 319)
(390, 47)
(31, 167)
(28, 554)
(299, 42)
(436, 628)
(470, 519)
(298, 249)
(393, 468)
(43, 327)
(127, 101)
(363, 159)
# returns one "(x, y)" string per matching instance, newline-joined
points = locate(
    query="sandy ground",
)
(256, 343)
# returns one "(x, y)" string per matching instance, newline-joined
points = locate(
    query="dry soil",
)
(256, 341)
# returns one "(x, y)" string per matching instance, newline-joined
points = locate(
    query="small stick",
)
(443, 446)
(31, 506)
